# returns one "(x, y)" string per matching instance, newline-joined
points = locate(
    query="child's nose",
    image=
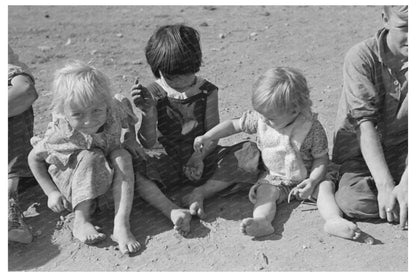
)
(88, 119)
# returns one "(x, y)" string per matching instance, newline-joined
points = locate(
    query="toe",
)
(132, 247)
(201, 213)
(357, 234)
(123, 248)
(193, 208)
(136, 247)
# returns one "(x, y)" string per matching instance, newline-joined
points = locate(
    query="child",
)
(81, 157)
(371, 132)
(182, 106)
(292, 142)
(22, 94)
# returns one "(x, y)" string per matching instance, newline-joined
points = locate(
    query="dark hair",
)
(174, 50)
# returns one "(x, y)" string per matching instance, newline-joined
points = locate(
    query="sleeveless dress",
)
(180, 121)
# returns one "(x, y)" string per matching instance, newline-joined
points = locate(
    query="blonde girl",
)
(293, 144)
(81, 155)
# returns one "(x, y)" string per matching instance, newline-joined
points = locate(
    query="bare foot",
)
(343, 228)
(181, 220)
(256, 227)
(195, 201)
(86, 232)
(126, 241)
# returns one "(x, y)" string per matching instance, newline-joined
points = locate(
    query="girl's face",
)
(86, 120)
(180, 82)
(279, 120)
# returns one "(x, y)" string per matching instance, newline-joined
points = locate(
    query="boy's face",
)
(397, 36)
(86, 120)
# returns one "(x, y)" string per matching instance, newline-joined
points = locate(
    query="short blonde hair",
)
(80, 84)
(280, 89)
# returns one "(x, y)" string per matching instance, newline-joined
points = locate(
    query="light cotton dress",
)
(78, 163)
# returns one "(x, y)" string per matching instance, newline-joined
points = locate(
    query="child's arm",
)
(56, 202)
(130, 143)
(373, 155)
(318, 171)
(400, 195)
(147, 133)
(21, 95)
(212, 119)
(204, 144)
(143, 100)
(222, 130)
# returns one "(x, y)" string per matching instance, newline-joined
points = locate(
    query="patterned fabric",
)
(78, 162)
(61, 141)
(20, 130)
(287, 154)
(272, 180)
(87, 176)
(314, 145)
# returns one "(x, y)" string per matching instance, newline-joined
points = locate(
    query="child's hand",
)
(304, 190)
(57, 202)
(194, 167)
(142, 97)
(134, 148)
(200, 143)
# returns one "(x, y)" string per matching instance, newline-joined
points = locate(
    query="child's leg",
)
(234, 164)
(264, 211)
(195, 200)
(83, 229)
(150, 192)
(13, 182)
(335, 224)
(123, 190)
(18, 230)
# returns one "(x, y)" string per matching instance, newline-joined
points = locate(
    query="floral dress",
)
(78, 163)
(287, 154)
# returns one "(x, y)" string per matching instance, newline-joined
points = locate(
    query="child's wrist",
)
(314, 181)
(52, 192)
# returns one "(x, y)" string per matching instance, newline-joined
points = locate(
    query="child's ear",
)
(386, 20)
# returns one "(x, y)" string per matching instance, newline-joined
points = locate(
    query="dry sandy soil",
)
(238, 43)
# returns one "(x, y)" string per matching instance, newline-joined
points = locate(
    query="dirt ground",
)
(238, 43)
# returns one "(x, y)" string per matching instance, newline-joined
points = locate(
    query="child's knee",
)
(268, 191)
(120, 153)
(355, 204)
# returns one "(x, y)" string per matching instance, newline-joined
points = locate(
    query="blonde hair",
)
(80, 84)
(281, 89)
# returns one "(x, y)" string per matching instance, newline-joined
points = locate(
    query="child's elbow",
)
(34, 93)
(33, 158)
